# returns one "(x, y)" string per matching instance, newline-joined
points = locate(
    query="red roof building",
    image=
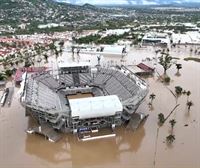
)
(21, 71)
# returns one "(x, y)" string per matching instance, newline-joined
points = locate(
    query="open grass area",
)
(192, 59)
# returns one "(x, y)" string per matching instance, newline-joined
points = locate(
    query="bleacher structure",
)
(116, 91)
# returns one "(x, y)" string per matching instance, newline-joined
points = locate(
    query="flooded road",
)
(144, 148)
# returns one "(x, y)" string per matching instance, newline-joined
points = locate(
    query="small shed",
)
(146, 70)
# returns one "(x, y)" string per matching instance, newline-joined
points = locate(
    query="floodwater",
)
(144, 148)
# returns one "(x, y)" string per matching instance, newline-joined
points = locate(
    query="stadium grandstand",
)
(115, 94)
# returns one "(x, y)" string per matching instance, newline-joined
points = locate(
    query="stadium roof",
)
(72, 64)
(93, 107)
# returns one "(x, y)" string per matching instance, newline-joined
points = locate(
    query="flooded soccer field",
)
(144, 148)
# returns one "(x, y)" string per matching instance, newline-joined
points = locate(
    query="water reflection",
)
(84, 154)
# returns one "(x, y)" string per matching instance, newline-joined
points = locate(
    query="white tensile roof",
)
(93, 107)
(112, 49)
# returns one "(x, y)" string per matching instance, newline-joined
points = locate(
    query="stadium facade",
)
(116, 94)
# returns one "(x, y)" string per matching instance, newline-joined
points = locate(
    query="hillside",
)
(32, 13)
(129, 2)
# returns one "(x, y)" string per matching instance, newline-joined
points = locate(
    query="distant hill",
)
(35, 12)
(43, 11)
(129, 2)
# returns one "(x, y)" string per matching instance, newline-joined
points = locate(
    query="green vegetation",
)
(2, 76)
(170, 139)
(178, 67)
(178, 90)
(189, 105)
(28, 56)
(8, 72)
(88, 39)
(97, 39)
(166, 61)
(192, 59)
(152, 97)
(167, 79)
(109, 39)
(161, 118)
(188, 93)
(172, 123)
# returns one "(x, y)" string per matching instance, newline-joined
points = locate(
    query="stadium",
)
(107, 97)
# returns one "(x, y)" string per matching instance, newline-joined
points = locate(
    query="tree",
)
(161, 118)
(188, 93)
(178, 67)
(166, 61)
(184, 92)
(178, 90)
(170, 139)
(152, 97)
(167, 79)
(189, 104)
(172, 122)
(73, 48)
(2, 76)
(56, 54)
(61, 43)
(8, 72)
(46, 58)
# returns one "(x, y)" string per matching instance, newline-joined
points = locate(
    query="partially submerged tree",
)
(170, 139)
(178, 67)
(189, 104)
(152, 97)
(172, 123)
(188, 93)
(178, 90)
(184, 92)
(167, 79)
(166, 61)
(161, 118)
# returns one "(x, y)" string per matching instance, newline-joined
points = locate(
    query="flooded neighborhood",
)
(99, 84)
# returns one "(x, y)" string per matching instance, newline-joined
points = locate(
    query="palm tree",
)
(61, 43)
(189, 104)
(73, 50)
(61, 51)
(161, 118)
(166, 61)
(188, 93)
(178, 90)
(178, 67)
(52, 47)
(2, 76)
(56, 54)
(172, 122)
(5, 62)
(170, 138)
(152, 97)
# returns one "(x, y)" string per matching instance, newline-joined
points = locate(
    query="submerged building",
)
(115, 94)
(154, 38)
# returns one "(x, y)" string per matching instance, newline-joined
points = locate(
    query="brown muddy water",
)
(144, 148)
